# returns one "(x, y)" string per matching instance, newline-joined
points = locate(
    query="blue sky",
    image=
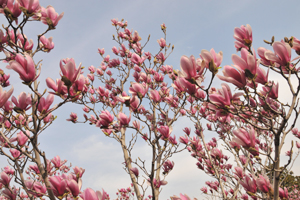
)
(192, 25)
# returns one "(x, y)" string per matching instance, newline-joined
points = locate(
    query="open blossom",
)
(106, 118)
(124, 120)
(248, 184)
(69, 71)
(243, 36)
(58, 86)
(264, 184)
(165, 131)
(168, 166)
(78, 171)
(13, 8)
(136, 59)
(5, 178)
(28, 44)
(23, 102)
(234, 76)
(25, 67)
(138, 89)
(57, 161)
(90, 194)
(59, 185)
(281, 56)
(44, 104)
(283, 193)
(211, 59)
(22, 138)
(296, 45)
(35, 188)
(154, 95)
(46, 44)
(271, 90)
(73, 117)
(31, 6)
(50, 17)
(246, 63)
(161, 42)
(4, 96)
(182, 197)
(247, 139)
(188, 68)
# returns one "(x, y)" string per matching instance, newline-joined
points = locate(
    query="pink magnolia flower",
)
(247, 139)
(50, 17)
(188, 68)
(32, 6)
(222, 99)
(44, 104)
(264, 184)
(283, 193)
(182, 197)
(23, 102)
(172, 140)
(184, 139)
(15, 153)
(298, 144)
(261, 52)
(5, 178)
(246, 63)
(46, 44)
(138, 89)
(135, 171)
(28, 44)
(204, 190)
(161, 42)
(10, 194)
(74, 187)
(155, 96)
(58, 86)
(157, 183)
(57, 162)
(271, 90)
(35, 188)
(34, 168)
(165, 132)
(73, 117)
(168, 166)
(296, 45)
(136, 59)
(78, 171)
(211, 58)
(101, 51)
(22, 138)
(248, 184)
(69, 70)
(59, 185)
(239, 172)
(262, 76)
(4, 96)
(187, 86)
(234, 76)
(9, 170)
(89, 194)
(14, 9)
(281, 55)
(243, 36)
(124, 120)
(25, 67)
(106, 118)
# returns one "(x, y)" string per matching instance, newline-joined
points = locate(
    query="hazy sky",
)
(192, 25)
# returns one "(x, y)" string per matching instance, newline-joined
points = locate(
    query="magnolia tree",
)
(136, 97)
